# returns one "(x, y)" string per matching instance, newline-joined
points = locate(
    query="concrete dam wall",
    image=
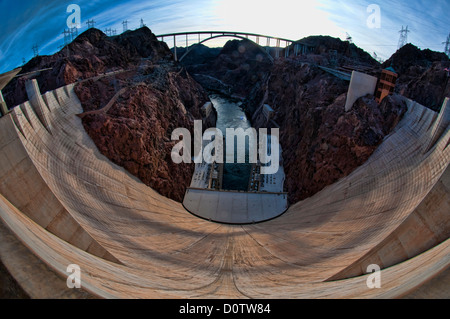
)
(64, 203)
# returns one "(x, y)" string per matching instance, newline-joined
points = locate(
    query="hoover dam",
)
(62, 203)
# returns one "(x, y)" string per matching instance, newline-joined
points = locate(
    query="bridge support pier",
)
(278, 48)
(175, 47)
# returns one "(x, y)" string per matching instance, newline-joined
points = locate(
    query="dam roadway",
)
(62, 203)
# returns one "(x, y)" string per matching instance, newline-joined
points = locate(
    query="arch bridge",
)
(199, 37)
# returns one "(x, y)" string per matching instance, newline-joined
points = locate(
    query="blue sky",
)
(25, 23)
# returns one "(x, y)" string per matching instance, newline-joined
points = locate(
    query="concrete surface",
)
(66, 204)
(360, 85)
(234, 207)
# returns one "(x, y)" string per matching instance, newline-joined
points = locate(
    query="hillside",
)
(155, 96)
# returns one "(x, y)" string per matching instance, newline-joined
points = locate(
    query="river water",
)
(230, 115)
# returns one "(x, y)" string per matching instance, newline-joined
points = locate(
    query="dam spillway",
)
(66, 203)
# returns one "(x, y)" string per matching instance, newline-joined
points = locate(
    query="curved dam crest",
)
(151, 247)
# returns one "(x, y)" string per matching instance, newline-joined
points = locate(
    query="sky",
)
(374, 25)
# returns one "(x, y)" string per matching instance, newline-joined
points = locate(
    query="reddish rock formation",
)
(135, 131)
(346, 53)
(321, 142)
(422, 75)
(90, 54)
(240, 65)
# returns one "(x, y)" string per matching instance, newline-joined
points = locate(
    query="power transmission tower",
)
(108, 32)
(142, 23)
(114, 32)
(125, 26)
(67, 35)
(376, 57)
(349, 38)
(74, 33)
(90, 23)
(403, 37)
(35, 50)
(447, 45)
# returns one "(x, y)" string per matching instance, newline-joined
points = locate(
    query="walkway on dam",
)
(263, 200)
(62, 202)
(234, 207)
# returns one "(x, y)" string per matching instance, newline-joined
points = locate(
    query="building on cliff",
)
(386, 84)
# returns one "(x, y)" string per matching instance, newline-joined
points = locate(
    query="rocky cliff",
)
(321, 142)
(240, 65)
(129, 115)
(90, 54)
(329, 51)
(422, 75)
(135, 132)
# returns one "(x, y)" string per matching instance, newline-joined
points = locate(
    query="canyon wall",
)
(321, 142)
(131, 114)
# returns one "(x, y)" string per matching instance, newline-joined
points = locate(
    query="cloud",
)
(37, 24)
(282, 18)
(426, 20)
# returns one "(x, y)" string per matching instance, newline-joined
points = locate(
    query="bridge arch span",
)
(190, 49)
(297, 46)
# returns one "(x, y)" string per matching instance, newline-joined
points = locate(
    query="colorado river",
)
(230, 115)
